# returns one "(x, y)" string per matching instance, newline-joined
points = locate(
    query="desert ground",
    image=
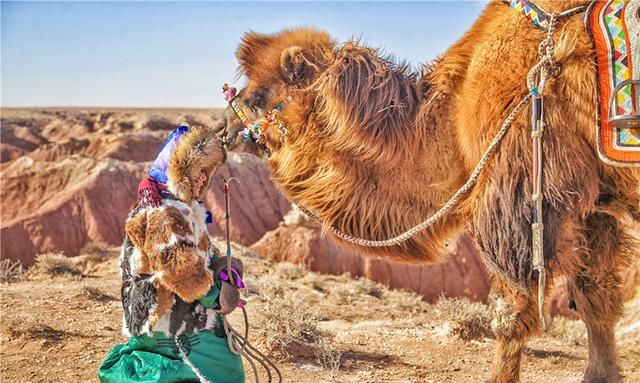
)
(60, 320)
(320, 309)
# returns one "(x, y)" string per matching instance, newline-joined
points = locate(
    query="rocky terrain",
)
(69, 177)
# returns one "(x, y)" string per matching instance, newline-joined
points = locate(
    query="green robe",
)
(155, 359)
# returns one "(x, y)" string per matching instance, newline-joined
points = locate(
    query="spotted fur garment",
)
(164, 264)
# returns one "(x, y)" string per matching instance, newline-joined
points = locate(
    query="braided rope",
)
(566, 13)
(446, 208)
(546, 65)
(239, 345)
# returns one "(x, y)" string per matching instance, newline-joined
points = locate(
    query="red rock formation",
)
(61, 206)
(256, 205)
(462, 274)
(69, 177)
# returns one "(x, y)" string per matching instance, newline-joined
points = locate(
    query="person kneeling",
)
(171, 291)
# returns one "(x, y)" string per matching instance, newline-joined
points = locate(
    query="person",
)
(173, 297)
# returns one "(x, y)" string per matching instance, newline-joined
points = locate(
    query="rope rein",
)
(227, 222)
(546, 67)
(239, 343)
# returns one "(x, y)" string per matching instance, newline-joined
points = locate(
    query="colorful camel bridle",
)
(256, 131)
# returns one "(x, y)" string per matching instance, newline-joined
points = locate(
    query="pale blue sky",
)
(178, 54)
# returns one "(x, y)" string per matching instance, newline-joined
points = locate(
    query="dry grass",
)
(289, 332)
(93, 255)
(346, 293)
(31, 328)
(289, 271)
(94, 293)
(266, 287)
(569, 330)
(97, 252)
(10, 271)
(293, 301)
(286, 325)
(469, 320)
(406, 301)
(54, 264)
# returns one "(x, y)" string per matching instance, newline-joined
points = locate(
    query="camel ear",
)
(295, 67)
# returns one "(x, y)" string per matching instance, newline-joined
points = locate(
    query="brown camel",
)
(374, 149)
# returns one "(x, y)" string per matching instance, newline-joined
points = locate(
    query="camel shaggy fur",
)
(374, 149)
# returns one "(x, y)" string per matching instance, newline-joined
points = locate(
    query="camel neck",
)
(372, 200)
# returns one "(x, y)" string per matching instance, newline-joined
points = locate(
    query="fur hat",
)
(198, 150)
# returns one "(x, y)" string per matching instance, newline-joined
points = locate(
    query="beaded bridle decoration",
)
(257, 131)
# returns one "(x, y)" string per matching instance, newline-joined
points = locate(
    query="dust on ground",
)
(57, 326)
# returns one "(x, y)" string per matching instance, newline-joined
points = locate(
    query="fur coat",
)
(167, 258)
(165, 270)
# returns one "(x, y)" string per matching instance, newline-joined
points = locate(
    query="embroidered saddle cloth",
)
(614, 26)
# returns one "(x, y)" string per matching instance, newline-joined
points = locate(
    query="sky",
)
(178, 54)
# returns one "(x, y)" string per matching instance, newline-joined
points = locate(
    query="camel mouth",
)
(228, 131)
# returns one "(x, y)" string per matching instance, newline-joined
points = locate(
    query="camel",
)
(374, 148)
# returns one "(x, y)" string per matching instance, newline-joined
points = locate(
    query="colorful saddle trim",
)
(614, 26)
(532, 12)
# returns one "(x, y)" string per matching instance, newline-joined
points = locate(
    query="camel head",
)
(277, 67)
(345, 96)
(354, 147)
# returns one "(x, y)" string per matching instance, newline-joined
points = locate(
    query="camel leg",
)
(515, 318)
(596, 291)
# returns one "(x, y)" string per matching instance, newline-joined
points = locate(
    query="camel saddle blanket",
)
(614, 26)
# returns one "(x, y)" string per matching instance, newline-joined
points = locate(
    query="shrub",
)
(10, 271)
(54, 264)
(289, 332)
